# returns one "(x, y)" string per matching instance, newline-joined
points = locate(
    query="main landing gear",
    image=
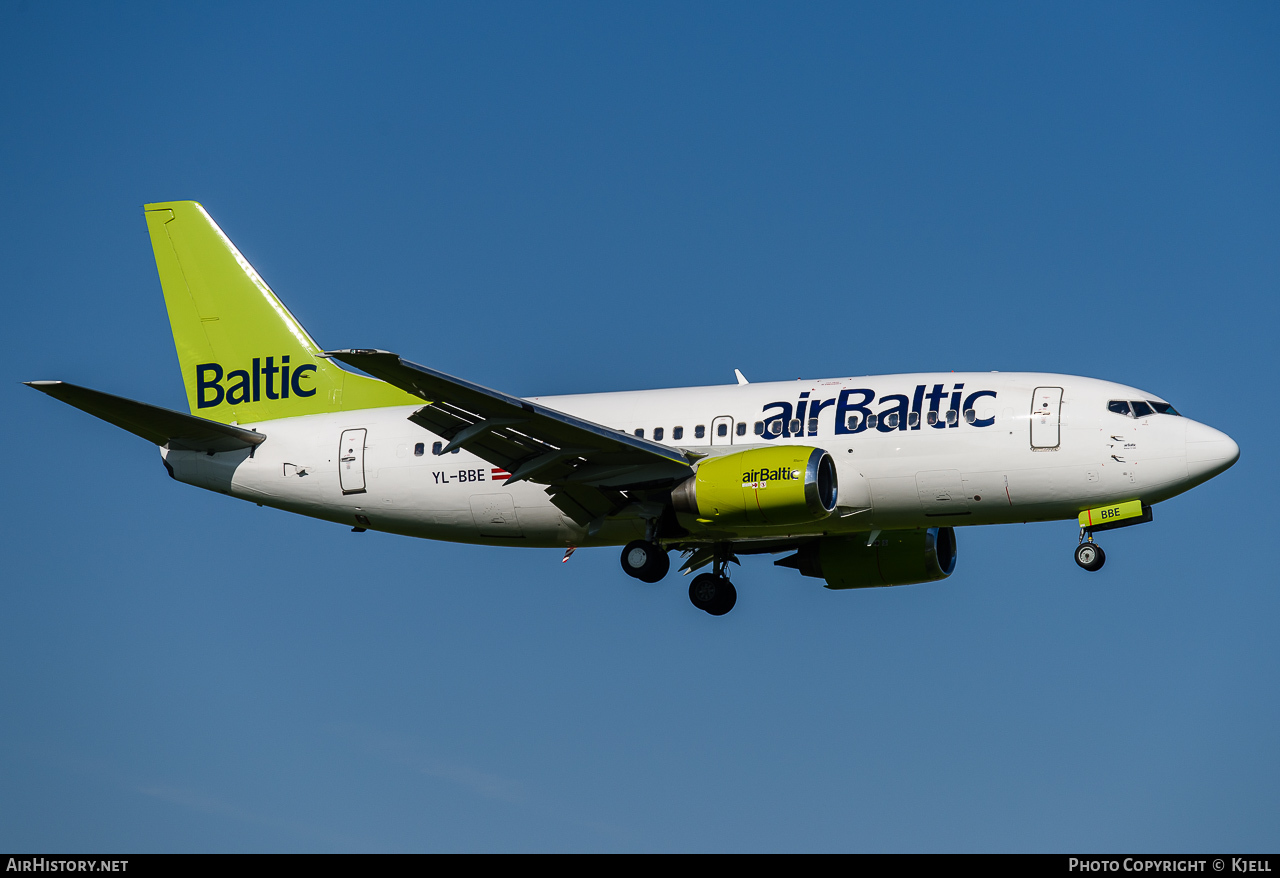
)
(645, 560)
(1089, 554)
(713, 592)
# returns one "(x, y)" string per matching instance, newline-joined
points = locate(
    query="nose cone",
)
(1209, 451)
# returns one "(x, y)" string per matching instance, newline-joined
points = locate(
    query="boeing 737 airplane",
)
(860, 480)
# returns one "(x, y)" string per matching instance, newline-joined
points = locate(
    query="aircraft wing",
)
(158, 425)
(587, 466)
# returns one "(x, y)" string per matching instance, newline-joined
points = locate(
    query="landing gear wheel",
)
(1090, 556)
(645, 561)
(713, 594)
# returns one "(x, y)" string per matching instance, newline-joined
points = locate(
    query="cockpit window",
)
(1138, 408)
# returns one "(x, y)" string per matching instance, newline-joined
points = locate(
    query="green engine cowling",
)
(784, 484)
(894, 558)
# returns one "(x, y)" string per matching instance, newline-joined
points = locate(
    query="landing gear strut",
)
(713, 592)
(1089, 554)
(645, 560)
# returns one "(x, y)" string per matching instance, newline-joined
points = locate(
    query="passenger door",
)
(1046, 406)
(351, 462)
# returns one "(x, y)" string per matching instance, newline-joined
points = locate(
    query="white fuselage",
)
(977, 467)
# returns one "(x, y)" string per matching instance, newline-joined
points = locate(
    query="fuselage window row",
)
(677, 433)
(770, 429)
(892, 420)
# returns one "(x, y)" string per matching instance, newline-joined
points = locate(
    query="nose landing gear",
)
(1089, 554)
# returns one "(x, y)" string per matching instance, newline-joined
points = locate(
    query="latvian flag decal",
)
(498, 475)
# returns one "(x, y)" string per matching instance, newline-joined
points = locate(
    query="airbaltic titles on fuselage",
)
(854, 415)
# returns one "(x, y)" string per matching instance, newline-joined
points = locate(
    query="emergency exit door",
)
(1046, 427)
(722, 430)
(351, 462)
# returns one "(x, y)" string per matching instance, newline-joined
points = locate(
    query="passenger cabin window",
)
(932, 418)
(722, 429)
(699, 431)
(891, 420)
(742, 429)
(913, 419)
(640, 432)
(419, 449)
(813, 425)
(953, 417)
(657, 434)
(795, 426)
(759, 428)
(677, 433)
(970, 416)
(853, 422)
(435, 447)
(872, 420)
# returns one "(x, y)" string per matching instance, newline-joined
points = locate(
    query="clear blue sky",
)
(553, 198)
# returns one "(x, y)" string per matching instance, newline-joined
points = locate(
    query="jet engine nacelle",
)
(784, 484)
(895, 558)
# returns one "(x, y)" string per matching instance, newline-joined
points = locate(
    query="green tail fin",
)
(244, 357)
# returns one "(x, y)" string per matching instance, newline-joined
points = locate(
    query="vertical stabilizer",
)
(244, 357)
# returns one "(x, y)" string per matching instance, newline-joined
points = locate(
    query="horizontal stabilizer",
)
(157, 425)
